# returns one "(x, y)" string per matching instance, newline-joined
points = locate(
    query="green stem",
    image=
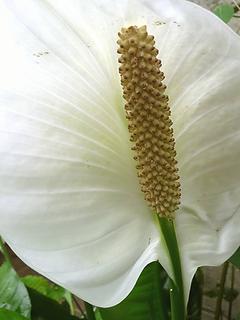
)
(232, 288)
(4, 251)
(178, 311)
(218, 309)
(89, 311)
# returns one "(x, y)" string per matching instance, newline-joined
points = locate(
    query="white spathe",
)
(71, 205)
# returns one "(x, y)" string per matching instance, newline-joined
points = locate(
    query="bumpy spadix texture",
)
(148, 114)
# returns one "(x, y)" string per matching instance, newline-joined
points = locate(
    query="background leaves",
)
(45, 308)
(44, 287)
(10, 315)
(13, 294)
(31, 297)
(224, 12)
(149, 299)
(235, 259)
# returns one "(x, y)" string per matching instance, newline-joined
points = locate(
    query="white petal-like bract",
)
(71, 205)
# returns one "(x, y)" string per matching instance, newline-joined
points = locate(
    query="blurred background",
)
(212, 4)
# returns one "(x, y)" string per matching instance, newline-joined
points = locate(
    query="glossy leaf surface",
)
(10, 315)
(44, 287)
(148, 300)
(13, 294)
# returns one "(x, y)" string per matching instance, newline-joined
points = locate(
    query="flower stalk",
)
(178, 311)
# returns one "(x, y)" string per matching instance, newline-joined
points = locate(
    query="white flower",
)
(71, 205)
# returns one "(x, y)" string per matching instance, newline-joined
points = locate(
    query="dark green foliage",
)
(149, 299)
(235, 259)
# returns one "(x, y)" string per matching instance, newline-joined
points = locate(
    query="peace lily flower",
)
(71, 203)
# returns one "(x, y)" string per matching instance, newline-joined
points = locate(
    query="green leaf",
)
(224, 12)
(237, 317)
(45, 287)
(69, 298)
(1, 246)
(4, 251)
(195, 297)
(45, 308)
(10, 315)
(235, 259)
(49, 289)
(13, 294)
(98, 315)
(149, 300)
